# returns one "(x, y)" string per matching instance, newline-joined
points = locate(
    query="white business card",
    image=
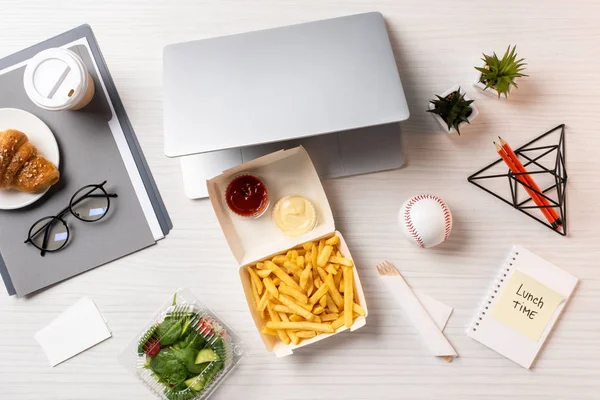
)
(78, 328)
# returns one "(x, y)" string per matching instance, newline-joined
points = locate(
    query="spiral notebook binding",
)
(490, 298)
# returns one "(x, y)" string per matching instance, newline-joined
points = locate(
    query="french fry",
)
(294, 255)
(285, 278)
(291, 334)
(271, 288)
(296, 294)
(331, 306)
(322, 291)
(348, 296)
(279, 260)
(318, 309)
(263, 273)
(307, 307)
(311, 285)
(263, 302)
(255, 294)
(312, 326)
(338, 322)
(358, 309)
(296, 318)
(306, 334)
(314, 253)
(293, 268)
(307, 246)
(329, 317)
(317, 319)
(337, 253)
(342, 286)
(282, 309)
(318, 282)
(324, 255)
(341, 260)
(321, 245)
(276, 281)
(268, 331)
(286, 301)
(260, 265)
(331, 269)
(256, 280)
(283, 336)
(338, 277)
(333, 241)
(322, 274)
(300, 262)
(305, 276)
(333, 291)
(323, 301)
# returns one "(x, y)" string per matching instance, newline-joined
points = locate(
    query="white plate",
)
(41, 137)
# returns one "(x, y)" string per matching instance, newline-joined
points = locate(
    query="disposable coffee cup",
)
(57, 80)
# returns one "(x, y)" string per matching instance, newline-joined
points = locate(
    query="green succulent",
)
(454, 109)
(499, 74)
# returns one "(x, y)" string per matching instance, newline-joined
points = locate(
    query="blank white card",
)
(78, 328)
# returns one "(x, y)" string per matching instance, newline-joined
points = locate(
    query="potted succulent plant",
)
(452, 109)
(500, 74)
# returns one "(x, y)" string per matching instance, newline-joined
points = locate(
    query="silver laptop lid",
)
(280, 84)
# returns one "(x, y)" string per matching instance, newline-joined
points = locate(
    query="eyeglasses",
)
(89, 204)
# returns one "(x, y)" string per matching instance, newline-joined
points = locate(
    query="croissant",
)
(21, 167)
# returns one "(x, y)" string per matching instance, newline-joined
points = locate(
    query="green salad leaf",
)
(168, 366)
(219, 346)
(169, 331)
(186, 326)
(193, 340)
(181, 392)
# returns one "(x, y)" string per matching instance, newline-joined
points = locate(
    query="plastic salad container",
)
(185, 352)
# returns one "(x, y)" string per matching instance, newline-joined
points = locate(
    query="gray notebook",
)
(89, 154)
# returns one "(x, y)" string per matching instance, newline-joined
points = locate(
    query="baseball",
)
(425, 220)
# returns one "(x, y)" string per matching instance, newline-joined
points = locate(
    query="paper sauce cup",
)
(57, 80)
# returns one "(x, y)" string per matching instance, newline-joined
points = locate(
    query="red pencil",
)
(534, 196)
(531, 182)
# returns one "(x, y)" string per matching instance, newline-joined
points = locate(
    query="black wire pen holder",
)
(555, 174)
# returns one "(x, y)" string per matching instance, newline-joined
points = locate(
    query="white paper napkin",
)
(426, 314)
(438, 311)
(78, 328)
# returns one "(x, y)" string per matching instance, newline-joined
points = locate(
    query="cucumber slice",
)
(196, 383)
(206, 355)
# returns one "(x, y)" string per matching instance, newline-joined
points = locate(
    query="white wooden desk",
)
(437, 43)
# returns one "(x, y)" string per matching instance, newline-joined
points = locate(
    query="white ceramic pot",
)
(470, 118)
(491, 92)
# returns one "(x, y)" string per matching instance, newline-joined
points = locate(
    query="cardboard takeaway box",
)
(284, 172)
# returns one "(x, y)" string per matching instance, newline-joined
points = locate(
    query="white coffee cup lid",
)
(55, 79)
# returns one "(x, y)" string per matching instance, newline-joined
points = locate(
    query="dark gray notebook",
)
(89, 155)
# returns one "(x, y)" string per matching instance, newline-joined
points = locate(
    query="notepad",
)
(522, 307)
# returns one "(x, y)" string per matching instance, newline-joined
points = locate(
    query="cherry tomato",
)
(205, 327)
(152, 347)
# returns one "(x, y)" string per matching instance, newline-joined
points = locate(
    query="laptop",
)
(331, 86)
